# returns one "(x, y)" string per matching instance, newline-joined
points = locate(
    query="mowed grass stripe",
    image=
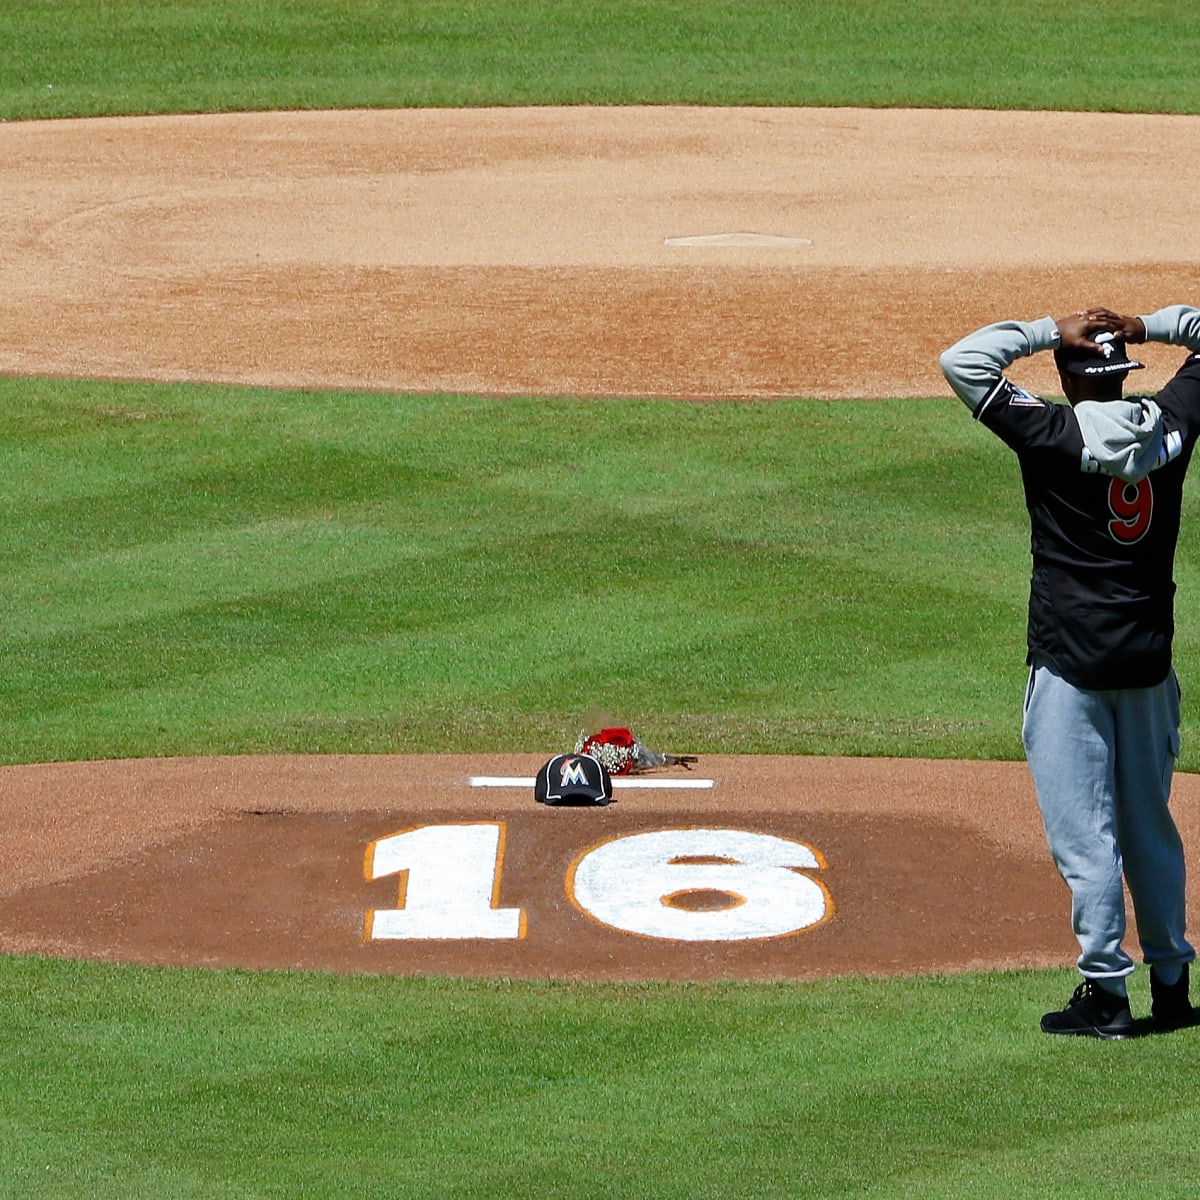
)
(240, 570)
(224, 1083)
(103, 57)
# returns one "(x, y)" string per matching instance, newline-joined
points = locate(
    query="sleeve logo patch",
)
(1020, 398)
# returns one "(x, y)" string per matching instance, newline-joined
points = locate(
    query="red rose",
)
(616, 736)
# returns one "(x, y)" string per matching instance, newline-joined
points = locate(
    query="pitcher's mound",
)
(785, 868)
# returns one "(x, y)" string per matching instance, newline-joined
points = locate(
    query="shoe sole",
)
(1104, 1035)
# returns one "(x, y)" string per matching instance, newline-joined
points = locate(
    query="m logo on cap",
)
(572, 772)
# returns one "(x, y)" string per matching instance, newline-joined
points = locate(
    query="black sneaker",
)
(1170, 1007)
(1092, 1012)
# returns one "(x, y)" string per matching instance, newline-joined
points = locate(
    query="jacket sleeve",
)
(1177, 325)
(976, 364)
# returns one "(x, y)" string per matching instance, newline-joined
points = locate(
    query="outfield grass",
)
(100, 57)
(190, 569)
(218, 1084)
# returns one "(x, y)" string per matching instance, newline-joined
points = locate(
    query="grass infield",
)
(196, 569)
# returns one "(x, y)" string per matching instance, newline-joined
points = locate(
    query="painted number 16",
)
(681, 884)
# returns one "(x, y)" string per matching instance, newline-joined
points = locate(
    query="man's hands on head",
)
(1077, 331)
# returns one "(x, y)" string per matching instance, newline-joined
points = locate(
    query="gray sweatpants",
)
(1102, 764)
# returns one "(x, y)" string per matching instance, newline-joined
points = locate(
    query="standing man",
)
(1103, 478)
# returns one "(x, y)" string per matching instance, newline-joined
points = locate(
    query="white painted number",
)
(701, 885)
(693, 885)
(449, 887)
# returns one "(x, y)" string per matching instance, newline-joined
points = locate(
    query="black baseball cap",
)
(1110, 360)
(573, 779)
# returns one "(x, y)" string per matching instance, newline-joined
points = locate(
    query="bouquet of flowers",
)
(622, 754)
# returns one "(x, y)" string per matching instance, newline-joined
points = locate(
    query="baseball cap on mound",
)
(1111, 360)
(572, 779)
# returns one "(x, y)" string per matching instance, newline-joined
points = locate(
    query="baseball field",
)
(389, 392)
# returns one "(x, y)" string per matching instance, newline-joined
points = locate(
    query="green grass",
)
(121, 1082)
(192, 570)
(101, 57)
(196, 570)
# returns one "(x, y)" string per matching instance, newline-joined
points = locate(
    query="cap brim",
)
(1092, 368)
